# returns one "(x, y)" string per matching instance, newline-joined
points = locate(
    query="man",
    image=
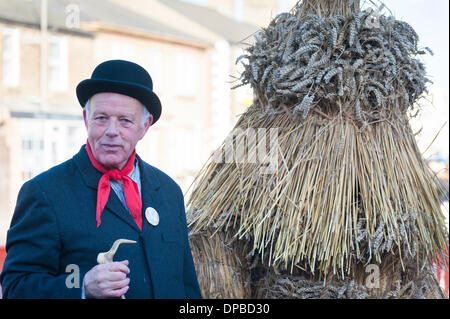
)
(69, 214)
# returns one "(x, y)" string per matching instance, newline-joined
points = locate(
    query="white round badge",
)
(152, 216)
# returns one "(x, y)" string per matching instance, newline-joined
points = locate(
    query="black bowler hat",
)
(124, 77)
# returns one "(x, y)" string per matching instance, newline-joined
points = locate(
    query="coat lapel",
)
(88, 172)
(116, 207)
(150, 186)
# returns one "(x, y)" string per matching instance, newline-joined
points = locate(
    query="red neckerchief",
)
(132, 197)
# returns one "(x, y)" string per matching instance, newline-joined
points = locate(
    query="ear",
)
(85, 119)
(147, 126)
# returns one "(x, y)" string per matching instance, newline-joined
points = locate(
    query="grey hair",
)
(145, 113)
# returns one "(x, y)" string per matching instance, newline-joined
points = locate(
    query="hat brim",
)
(87, 88)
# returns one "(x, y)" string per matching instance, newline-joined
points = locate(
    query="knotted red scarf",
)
(131, 190)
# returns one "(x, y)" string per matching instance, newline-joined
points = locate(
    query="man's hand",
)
(107, 280)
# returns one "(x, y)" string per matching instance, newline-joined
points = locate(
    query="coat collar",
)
(90, 175)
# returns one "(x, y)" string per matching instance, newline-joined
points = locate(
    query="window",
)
(33, 151)
(122, 50)
(186, 70)
(11, 57)
(31, 144)
(58, 65)
(27, 144)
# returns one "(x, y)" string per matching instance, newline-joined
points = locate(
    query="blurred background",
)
(189, 47)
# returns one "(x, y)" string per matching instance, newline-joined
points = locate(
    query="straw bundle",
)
(350, 188)
(420, 286)
(222, 272)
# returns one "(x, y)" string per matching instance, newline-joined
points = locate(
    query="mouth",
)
(111, 147)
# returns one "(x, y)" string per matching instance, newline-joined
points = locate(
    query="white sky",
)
(430, 19)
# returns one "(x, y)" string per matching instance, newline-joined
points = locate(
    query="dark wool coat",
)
(54, 234)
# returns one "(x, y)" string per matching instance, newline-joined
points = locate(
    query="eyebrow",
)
(99, 112)
(130, 115)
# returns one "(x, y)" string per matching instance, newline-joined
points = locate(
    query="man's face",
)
(114, 127)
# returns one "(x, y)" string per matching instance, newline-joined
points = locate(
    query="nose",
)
(112, 129)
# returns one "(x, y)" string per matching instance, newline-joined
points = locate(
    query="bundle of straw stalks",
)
(347, 186)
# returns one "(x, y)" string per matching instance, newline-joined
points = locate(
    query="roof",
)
(105, 11)
(28, 12)
(230, 29)
(112, 13)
